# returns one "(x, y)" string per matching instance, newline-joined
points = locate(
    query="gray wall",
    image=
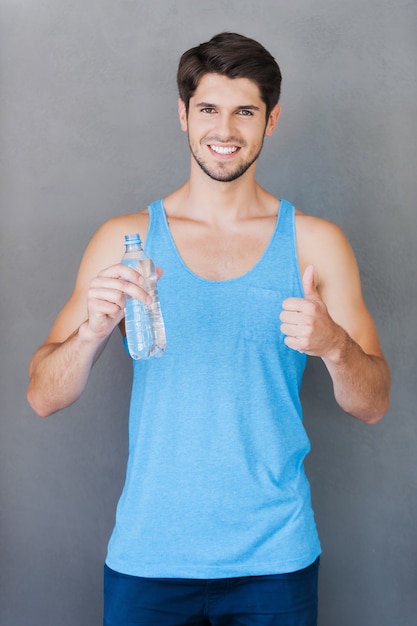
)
(89, 130)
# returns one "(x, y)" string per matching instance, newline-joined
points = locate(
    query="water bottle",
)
(145, 329)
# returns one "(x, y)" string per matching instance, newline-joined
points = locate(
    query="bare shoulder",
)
(312, 230)
(105, 249)
(323, 244)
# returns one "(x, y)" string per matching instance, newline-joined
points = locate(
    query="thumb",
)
(310, 289)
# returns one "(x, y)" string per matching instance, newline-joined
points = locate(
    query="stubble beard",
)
(221, 173)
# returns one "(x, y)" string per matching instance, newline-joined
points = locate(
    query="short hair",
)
(234, 56)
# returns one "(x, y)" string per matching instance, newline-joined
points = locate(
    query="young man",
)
(214, 525)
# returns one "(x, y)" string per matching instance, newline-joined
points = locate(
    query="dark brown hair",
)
(234, 56)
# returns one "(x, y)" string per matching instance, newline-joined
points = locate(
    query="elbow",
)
(374, 414)
(379, 414)
(382, 401)
(40, 407)
(369, 410)
(373, 418)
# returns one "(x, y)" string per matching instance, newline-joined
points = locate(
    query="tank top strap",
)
(286, 213)
(157, 221)
(285, 227)
(282, 248)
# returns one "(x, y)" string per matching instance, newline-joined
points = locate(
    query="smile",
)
(224, 149)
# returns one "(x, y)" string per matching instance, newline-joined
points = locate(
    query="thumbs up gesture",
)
(306, 322)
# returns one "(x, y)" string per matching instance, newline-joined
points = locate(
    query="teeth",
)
(224, 149)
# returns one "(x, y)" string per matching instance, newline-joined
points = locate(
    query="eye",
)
(208, 110)
(245, 112)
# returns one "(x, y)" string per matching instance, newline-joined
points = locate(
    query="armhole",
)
(296, 251)
(289, 214)
(152, 219)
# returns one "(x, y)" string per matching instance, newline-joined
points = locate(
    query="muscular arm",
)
(333, 322)
(60, 368)
(361, 381)
(59, 371)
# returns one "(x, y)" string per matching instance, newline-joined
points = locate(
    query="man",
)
(214, 525)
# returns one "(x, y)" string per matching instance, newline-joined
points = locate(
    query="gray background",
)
(89, 130)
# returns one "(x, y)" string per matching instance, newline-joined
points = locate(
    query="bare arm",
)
(59, 372)
(60, 368)
(333, 322)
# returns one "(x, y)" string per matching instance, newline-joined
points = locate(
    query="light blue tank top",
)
(215, 484)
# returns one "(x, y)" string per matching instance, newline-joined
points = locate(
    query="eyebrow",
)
(209, 105)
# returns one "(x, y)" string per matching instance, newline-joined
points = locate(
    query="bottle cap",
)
(135, 238)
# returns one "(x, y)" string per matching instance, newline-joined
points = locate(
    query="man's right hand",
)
(59, 369)
(107, 294)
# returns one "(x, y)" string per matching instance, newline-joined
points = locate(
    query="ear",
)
(182, 112)
(272, 120)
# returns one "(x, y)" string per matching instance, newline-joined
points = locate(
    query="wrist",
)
(87, 335)
(341, 347)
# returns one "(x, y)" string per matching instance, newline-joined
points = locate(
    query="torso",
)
(219, 254)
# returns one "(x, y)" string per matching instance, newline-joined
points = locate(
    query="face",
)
(226, 125)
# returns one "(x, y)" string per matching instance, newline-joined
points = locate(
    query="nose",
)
(226, 127)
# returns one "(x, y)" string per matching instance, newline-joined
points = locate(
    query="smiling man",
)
(232, 154)
(214, 525)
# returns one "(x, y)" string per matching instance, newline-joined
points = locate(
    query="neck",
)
(211, 200)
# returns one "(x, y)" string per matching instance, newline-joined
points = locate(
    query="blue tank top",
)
(215, 485)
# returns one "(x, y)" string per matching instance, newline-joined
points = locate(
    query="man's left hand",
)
(306, 322)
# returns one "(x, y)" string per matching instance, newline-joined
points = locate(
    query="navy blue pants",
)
(277, 600)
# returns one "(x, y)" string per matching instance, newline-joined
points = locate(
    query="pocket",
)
(261, 318)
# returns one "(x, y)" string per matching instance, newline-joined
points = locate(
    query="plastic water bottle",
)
(145, 329)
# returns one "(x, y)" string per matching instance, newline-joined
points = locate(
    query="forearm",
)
(59, 371)
(361, 381)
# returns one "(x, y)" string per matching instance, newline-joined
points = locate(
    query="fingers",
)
(107, 294)
(309, 286)
(122, 272)
(301, 337)
(118, 281)
(301, 317)
(114, 290)
(105, 298)
(297, 343)
(101, 312)
(300, 306)
(105, 305)
(311, 295)
(298, 331)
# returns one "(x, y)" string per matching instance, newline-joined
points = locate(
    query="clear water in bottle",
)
(145, 329)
